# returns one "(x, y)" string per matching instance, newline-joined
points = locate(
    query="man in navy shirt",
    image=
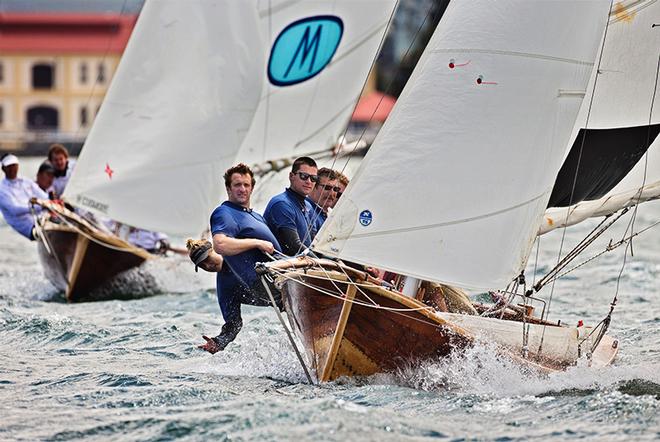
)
(324, 196)
(289, 214)
(242, 237)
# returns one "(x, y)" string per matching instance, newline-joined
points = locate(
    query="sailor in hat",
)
(16, 194)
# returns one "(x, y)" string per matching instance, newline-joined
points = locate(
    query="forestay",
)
(625, 111)
(456, 183)
(312, 81)
(174, 117)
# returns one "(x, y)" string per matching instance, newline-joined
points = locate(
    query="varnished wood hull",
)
(79, 264)
(373, 340)
(345, 335)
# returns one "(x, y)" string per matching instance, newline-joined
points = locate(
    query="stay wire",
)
(635, 211)
(96, 78)
(389, 85)
(315, 217)
(577, 167)
(387, 89)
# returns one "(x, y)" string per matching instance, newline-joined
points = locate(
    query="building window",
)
(43, 76)
(101, 76)
(42, 118)
(83, 116)
(83, 73)
(2, 115)
(2, 73)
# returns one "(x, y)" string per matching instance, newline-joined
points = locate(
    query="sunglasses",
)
(328, 187)
(306, 176)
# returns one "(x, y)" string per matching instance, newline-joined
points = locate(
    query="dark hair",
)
(57, 148)
(240, 168)
(327, 173)
(46, 167)
(300, 161)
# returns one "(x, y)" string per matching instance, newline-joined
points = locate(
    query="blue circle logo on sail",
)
(303, 49)
(366, 217)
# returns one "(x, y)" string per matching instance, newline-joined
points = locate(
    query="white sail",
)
(309, 116)
(174, 117)
(623, 97)
(456, 183)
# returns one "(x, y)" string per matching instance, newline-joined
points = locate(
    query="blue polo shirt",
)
(291, 211)
(238, 275)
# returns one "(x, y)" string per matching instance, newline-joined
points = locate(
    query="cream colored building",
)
(54, 72)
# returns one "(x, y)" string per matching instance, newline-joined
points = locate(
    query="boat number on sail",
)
(88, 202)
(303, 49)
(365, 217)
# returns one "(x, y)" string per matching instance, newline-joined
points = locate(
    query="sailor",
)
(343, 184)
(152, 242)
(289, 214)
(59, 158)
(45, 178)
(242, 238)
(324, 196)
(15, 196)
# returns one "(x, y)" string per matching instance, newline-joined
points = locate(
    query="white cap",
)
(8, 160)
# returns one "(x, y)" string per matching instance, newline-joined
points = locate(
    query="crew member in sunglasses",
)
(289, 215)
(324, 196)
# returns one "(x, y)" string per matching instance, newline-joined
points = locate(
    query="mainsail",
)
(300, 117)
(619, 162)
(174, 117)
(456, 183)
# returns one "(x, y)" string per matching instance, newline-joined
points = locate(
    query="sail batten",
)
(478, 135)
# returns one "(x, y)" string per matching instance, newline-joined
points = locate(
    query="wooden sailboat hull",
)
(359, 330)
(78, 264)
(351, 339)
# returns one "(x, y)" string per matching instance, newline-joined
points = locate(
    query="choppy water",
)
(129, 370)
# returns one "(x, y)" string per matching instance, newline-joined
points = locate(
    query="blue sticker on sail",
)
(303, 49)
(365, 217)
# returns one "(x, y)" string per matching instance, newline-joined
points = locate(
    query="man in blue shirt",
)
(324, 196)
(243, 239)
(15, 196)
(289, 214)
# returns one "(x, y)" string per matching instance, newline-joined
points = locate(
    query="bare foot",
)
(211, 346)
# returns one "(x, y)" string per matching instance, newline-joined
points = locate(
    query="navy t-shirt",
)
(238, 222)
(286, 210)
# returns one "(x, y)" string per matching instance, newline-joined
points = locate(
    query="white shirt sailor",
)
(15, 203)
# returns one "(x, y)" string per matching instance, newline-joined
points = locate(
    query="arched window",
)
(43, 76)
(42, 118)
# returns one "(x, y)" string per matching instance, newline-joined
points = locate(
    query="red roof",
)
(373, 107)
(64, 32)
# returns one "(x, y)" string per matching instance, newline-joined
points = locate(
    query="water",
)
(129, 370)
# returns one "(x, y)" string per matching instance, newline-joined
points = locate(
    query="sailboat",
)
(456, 185)
(203, 84)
